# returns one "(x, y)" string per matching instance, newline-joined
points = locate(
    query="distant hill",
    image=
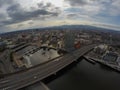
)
(84, 27)
(71, 27)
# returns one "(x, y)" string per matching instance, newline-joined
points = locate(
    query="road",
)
(30, 76)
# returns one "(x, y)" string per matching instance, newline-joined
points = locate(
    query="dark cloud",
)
(72, 15)
(88, 2)
(47, 5)
(77, 2)
(2, 16)
(5, 2)
(4, 29)
(17, 14)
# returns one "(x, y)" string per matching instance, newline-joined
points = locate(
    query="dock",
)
(112, 66)
(89, 59)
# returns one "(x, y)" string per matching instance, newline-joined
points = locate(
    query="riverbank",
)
(91, 59)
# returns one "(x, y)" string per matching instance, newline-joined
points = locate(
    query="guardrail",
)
(41, 71)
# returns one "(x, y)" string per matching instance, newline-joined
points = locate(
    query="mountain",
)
(85, 27)
(71, 27)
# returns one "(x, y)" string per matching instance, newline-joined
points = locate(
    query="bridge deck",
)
(33, 75)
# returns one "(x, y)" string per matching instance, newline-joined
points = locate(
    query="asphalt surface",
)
(28, 77)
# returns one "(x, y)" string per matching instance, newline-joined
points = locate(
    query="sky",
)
(26, 14)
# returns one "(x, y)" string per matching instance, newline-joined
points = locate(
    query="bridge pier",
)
(37, 86)
(41, 71)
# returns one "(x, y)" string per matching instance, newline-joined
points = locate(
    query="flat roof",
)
(42, 55)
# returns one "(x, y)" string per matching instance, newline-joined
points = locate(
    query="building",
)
(110, 57)
(32, 55)
(38, 56)
(2, 46)
(101, 49)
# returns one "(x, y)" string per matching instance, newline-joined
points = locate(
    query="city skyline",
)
(24, 14)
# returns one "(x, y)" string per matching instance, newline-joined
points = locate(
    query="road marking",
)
(35, 77)
(5, 81)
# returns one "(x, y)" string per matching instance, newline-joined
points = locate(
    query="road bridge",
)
(35, 74)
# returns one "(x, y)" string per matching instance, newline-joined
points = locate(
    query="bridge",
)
(30, 76)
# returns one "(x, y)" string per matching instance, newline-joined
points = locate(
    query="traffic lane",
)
(74, 53)
(40, 75)
(19, 77)
(49, 70)
(63, 60)
(34, 71)
(61, 64)
(21, 74)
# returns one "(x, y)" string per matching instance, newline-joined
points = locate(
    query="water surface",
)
(86, 76)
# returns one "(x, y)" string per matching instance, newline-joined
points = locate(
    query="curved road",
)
(22, 79)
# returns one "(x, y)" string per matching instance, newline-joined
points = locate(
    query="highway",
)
(30, 76)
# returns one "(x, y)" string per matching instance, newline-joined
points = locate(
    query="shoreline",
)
(115, 67)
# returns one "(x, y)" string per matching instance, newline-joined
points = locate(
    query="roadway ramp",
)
(39, 72)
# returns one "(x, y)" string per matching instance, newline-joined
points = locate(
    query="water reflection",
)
(86, 76)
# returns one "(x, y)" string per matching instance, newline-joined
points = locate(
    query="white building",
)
(40, 56)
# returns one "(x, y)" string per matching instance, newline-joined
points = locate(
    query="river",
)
(87, 76)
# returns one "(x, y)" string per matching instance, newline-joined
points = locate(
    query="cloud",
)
(77, 2)
(20, 25)
(2, 17)
(18, 14)
(86, 2)
(86, 7)
(115, 8)
(110, 26)
(30, 23)
(5, 2)
(78, 16)
(72, 15)
(109, 7)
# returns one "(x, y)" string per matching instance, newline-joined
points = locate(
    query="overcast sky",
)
(23, 14)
